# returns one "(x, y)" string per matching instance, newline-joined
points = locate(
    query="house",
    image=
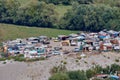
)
(65, 43)
(62, 37)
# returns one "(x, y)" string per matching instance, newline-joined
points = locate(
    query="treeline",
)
(85, 15)
(92, 18)
(68, 2)
(85, 75)
(34, 13)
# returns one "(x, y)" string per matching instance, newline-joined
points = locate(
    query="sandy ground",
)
(40, 70)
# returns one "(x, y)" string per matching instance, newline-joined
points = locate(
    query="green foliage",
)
(67, 2)
(116, 60)
(59, 76)
(4, 62)
(77, 75)
(115, 67)
(14, 31)
(86, 75)
(108, 2)
(34, 13)
(91, 18)
(87, 15)
(58, 69)
(2, 59)
(34, 59)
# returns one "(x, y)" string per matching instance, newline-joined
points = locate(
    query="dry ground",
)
(40, 70)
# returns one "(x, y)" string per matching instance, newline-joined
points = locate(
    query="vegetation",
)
(87, 15)
(33, 14)
(58, 69)
(10, 32)
(20, 58)
(92, 18)
(67, 2)
(59, 76)
(116, 60)
(86, 75)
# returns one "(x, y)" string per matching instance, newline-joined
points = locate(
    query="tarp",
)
(114, 77)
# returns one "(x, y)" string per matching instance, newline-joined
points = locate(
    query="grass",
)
(9, 32)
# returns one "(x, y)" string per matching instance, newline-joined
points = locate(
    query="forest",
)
(85, 15)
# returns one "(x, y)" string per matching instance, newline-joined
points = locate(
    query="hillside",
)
(8, 31)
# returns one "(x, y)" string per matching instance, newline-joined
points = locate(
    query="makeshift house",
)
(73, 41)
(80, 45)
(102, 35)
(114, 77)
(101, 76)
(13, 50)
(116, 47)
(33, 40)
(80, 38)
(62, 37)
(107, 46)
(113, 34)
(41, 50)
(73, 35)
(65, 43)
(5, 48)
(86, 48)
(114, 41)
(43, 38)
(88, 41)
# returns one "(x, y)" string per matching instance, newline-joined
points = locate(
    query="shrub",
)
(116, 60)
(64, 62)
(19, 59)
(2, 59)
(108, 57)
(77, 60)
(4, 62)
(59, 76)
(78, 57)
(77, 75)
(58, 69)
(54, 70)
(85, 62)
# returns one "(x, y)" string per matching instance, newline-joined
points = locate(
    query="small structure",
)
(65, 43)
(62, 37)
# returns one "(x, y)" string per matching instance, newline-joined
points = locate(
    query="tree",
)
(91, 18)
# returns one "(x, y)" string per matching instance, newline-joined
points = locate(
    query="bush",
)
(64, 62)
(4, 62)
(85, 62)
(58, 69)
(35, 59)
(77, 60)
(59, 76)
(19, 59)
(77, 75)
(116, 60)
(2, 59)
